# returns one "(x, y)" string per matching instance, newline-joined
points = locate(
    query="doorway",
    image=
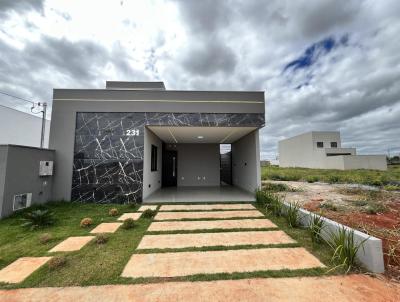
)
(169, 168)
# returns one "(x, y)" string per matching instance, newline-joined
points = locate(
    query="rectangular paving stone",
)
(213, 239)
(71, 244)
(213, 262)
(201, 215)
(106, 227)
(21, 268)
(205, 207)
(134, 216)
(349, 288)
(211, 224)
(148, 207)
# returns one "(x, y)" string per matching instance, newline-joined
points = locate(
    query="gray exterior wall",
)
(67, 102)
(246, 169)
(198, 165)
(20, 173)
(151, 179)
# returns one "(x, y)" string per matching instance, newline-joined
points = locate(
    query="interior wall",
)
(198, 164)
(151, 179)
(246, 170)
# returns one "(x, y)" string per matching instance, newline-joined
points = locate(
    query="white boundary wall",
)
(371, 257)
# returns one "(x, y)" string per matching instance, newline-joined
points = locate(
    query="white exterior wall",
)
(198, 165)
(375, 162)
(19, 128)
(302, 151)
(246, 170)
(151, 179)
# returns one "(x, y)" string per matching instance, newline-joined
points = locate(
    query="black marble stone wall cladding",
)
(108, 152)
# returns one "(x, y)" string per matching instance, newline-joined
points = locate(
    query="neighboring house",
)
(133, 139)
(323, 150)
(20, 128)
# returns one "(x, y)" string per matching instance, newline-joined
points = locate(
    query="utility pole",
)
(44, 105)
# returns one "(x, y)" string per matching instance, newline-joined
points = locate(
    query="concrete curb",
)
(371, 257)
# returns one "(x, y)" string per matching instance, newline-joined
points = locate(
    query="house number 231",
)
(132, 132)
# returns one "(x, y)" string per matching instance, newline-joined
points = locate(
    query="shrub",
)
(361, 203)
(329, 206)
(57, 262)
(260, 197)
(292, 215)
(86, 222)
(149, 213)
(44, 238)
(375, 208)
(38, 218)
(101, 238)
(333, 179)
(312, 179)
(392, 187)
(113, 212)
(315, 228)
(128, 224)
(344, 247)
(276, 205)
(276, 187)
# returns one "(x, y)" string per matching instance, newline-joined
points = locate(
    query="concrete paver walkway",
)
(351, 288)
(134, 216)
(205, 215)
(72, 244)
(212, 262)
(106, 227)
(206, 207)
(21, 268)
(213, 239)
(211, 224)
(147, 207)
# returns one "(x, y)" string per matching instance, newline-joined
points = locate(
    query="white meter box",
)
(46, 168)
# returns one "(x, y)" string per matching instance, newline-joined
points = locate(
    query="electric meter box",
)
(46, 168)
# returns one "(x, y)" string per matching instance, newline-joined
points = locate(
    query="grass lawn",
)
(367, 177)
(102, 264)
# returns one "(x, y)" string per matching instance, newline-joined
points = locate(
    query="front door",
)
(169, 168)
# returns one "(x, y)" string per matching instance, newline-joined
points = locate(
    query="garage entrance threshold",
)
(200, 194)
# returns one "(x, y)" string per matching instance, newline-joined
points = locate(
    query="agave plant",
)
(345, 248)
(292, 215)
(317, 224)
(38, 218)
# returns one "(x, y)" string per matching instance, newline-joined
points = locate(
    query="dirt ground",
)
(370, 210)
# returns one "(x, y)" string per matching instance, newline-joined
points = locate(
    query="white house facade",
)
(323, 150)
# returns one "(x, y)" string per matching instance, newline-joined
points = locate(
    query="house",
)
(323, 150)
(137, 141)
(20, 128)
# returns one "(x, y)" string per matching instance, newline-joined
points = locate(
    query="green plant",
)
(329, 206)
(44, 238)
(276, 187)
(361, 203)
(113, 212)
(86, 222)
(260, 197)
(149, 213)
(57, 262)
(101, 238)
(132, 204)
(312, 179)
(292, 214)
(38, 218)
(333, 179)
(276, 206)
(392, 187)
(375, 208)
(128, 224)
(345, 248)
(317, 224)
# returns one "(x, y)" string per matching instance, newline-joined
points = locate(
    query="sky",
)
(323, 64)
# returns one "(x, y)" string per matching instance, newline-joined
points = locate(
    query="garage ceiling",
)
(205, 135)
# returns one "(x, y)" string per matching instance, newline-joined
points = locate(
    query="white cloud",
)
(239, 45)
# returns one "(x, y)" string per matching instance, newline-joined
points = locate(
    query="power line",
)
(17, 97)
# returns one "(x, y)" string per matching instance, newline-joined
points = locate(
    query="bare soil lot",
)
(368, 209)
